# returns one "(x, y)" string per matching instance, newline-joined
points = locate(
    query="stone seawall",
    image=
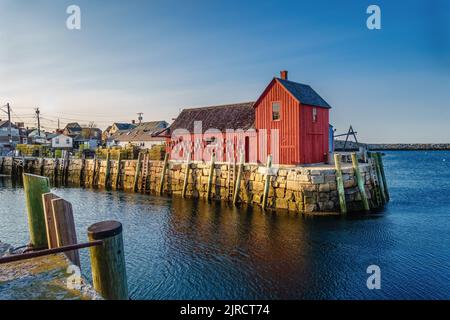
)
(308, 189)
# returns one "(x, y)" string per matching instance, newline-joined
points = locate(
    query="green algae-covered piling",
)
(34, 187)
(108, 260)
(383, 176)
(138, 172)
(360, 181)
(340, 183)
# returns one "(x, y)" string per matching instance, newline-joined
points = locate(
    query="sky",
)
(158, 57)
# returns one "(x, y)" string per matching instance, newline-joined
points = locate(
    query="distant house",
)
(37, 137)
(114, 128)
(143, 135)
(72, 129)
(4, 134)
(61, 141)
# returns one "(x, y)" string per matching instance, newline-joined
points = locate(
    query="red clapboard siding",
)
(301, 140)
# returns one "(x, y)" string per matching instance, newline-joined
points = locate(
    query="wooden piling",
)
(237, 184)
(65, 228)
(380, 178)
(210, 176)
(108, 260)
(108, 169)
(82, 169)
(186, 176)
(340, 183)
(138, 172)
(163, 174)
(361, 182)
(267, 182)
(383, 176)
(94, 170)
(34, 187)
(375, 181)
(117, 180)
(41, 166)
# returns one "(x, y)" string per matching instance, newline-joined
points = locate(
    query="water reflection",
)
(183, 249)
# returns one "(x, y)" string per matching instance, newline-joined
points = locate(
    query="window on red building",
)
(275, 111)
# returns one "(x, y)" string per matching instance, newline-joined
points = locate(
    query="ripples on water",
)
(183, 249)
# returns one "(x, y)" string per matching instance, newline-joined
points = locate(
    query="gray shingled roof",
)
(304, 93)
(230, 116)
(143, 132)
(124, 126)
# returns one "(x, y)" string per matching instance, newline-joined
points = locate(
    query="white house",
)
(141, 136)
(62, 141)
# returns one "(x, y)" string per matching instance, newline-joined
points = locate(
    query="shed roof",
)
(230, 116)
(143, 132)
(304, 93)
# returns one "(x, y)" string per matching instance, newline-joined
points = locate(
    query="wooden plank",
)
(186, 176)
(65, 227)
(375, 182)
(361, 182)
(340, 183)
(267, 181)
(49, 219)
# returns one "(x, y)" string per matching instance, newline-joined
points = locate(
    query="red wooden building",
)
(289, 120)
(301, 117)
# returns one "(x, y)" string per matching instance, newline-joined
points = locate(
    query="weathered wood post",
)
(361, 182)
(65, 227)
(267, 182)
(108, 260)
(41, 165)
(374, 179)
(82, 169)
(237, 184)
(186, 176)
(34, 187)
(340, 183)
(119, 161)
(385, 185)
(94, 170)
(163, 174)
(137, 172)
(379, 177)
(52, 238)
(108, 169)
(210, 175)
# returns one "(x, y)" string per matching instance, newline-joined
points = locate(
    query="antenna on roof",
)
(140, 117)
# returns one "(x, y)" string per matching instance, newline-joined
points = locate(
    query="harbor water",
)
(186, 249)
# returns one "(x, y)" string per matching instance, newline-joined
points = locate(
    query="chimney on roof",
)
(284, 74)
(133, 121)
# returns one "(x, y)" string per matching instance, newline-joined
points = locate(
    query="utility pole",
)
(58, 124)
(140, 117)
(38, 122)
(9, 124)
